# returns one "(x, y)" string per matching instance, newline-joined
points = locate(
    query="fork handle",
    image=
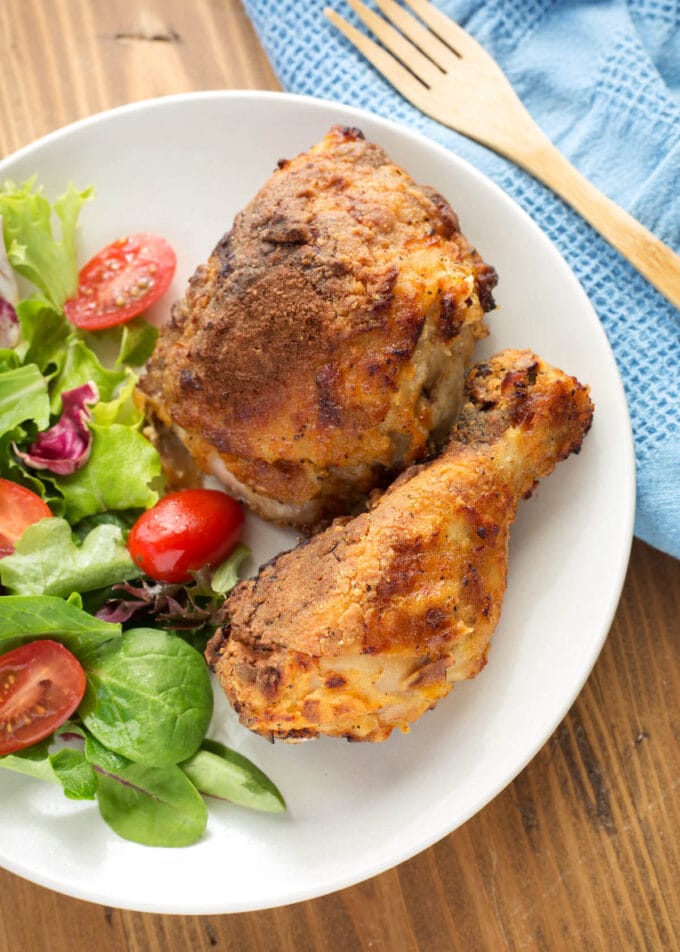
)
(652, 258)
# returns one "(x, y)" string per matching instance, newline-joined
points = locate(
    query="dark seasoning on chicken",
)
(324, 349)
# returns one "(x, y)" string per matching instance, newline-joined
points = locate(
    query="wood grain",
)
(581, 851)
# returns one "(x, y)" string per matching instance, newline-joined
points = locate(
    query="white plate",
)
(183, 166)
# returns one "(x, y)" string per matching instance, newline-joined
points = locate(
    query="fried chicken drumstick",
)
(325, 343)
(364, 627)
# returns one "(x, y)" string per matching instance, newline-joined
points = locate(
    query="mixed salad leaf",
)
(71, 440)
(50, 263)
(65, 447)
(47, 560)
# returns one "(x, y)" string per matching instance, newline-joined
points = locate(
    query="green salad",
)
(103, 685)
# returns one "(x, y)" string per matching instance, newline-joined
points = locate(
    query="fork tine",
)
(384, 62)
(401, 48)
(440, 53)
(447, 29)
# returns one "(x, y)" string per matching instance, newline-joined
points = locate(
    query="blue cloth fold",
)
(602, 78)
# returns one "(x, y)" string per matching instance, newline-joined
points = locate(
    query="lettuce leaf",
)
(225, 576)
(138, 339)
(44, 332)
(23, 397)
(33, 250)
(9, 359)
(33, 761)
(122, 408)
(52, 357)
(47, 560)
(123, 472)
(80, 366)
(131, 343)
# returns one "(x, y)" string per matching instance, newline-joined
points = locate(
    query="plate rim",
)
(616, 577)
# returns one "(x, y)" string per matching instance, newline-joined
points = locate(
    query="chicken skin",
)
(323, 347)
(365, 626)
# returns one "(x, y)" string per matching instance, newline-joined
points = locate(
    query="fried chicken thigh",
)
(364, 627)
(324, 345)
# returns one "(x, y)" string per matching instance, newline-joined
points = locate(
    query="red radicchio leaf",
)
(9, 324)
(171, 605)
(65, 447)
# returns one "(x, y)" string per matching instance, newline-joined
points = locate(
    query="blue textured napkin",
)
(602, 78)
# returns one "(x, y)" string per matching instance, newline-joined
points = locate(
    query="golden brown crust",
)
(373, 619)
(308, 352)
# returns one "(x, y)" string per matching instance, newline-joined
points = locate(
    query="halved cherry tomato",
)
(185, 531)
(19, 509)
(41, 685)
(120, 282)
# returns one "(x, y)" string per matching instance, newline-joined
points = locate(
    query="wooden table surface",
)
(582, 850)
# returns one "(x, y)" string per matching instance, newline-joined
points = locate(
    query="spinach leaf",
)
(217, 771)
(25, 618)
(100, 756)
(155, 806)
(149, 697)
(75, 774)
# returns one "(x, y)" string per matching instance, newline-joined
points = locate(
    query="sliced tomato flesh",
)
(19, 509)
(41, 685)
(122, 281)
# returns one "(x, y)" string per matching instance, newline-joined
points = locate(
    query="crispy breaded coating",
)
(324, 345)
(365, 626)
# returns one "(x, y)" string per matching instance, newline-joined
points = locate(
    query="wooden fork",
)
(443, 71)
